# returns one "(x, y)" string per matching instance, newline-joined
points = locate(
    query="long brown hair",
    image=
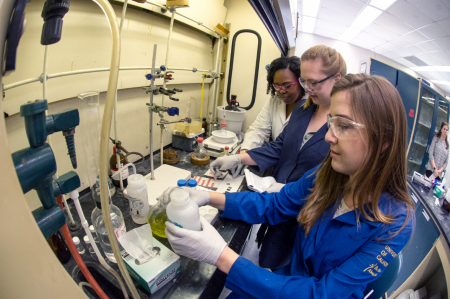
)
(377, 104)
(439, 133)
(332, 62)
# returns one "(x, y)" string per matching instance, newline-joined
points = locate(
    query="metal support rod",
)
(44, 73)
(171, 122)
(166, 63)
(162, 146)
(151, 113)
(217, 81)
(63, 74)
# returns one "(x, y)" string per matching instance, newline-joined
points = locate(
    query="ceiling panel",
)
(331, 26)
(370, 38)
(327, 33)
(414, 50)
(381, 50)
(401, 41)
(405, 62)
(433, 31)
(392, 23)
(415, 37)
(434, 9)
(429, 46)
(390, 46)
(410, 14)
(443, 42)
(330, 15)
(445, 25)
(446, 76)
(391, 55)
(433, 76)
(403, 52)
(442, 57)
(381, 32)
(351, 7)
(428, 59)
(446, 3)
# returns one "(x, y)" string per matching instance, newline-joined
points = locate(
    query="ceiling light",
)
(308, 24)
(311, 8)
(423, 69)
(382, 4)
(441, 82)
(349, 34)
(442, 68)
(366, 17)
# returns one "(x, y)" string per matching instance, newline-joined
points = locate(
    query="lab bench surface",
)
(196, 280)
(440, 216)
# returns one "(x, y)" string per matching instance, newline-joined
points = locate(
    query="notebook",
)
(257, 183)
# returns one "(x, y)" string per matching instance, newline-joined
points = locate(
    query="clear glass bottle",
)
(89, 247)
(99, 226)
(200, 151)
(94, 234)
(96, 189)
(223, 129)
(79, 246)
(157, 218)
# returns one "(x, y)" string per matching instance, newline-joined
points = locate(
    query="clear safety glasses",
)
(311, 86)
(344, 128)
(283, 87)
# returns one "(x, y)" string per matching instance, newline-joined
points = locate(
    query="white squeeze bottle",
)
(137, 192)
(182, 211)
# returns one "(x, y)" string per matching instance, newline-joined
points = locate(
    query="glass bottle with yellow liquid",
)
(157, 217)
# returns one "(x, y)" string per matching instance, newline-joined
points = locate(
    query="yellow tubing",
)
(201, 103)
(104, 140)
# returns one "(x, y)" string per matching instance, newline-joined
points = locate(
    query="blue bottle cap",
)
(181, 183)
(192, 183)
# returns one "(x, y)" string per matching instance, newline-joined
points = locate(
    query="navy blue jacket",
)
(337, 259)
(284, 153)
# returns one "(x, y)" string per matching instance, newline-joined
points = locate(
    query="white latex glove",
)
(230, 163)
(200, 197)
(203, 246)
(274, 187)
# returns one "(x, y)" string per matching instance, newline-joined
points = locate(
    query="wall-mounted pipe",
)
(230, 71)
(216, 87)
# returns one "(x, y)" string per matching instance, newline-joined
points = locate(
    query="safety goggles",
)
(343, 128)
(311, 86)
(283, 87)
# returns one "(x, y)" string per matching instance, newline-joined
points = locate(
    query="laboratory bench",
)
(196, 279)
(425, 261)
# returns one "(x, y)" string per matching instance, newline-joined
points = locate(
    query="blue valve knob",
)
(162, 68)
(173, 111)
(267, 67)
(149, 76)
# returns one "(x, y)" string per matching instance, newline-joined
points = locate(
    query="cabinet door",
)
(425, 235)
(384, 70)
(418, 152)
(408, 88)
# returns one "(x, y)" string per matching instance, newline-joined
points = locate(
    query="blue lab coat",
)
(284, 153)
(336, 260)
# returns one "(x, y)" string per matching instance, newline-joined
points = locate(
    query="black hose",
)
(258, 54)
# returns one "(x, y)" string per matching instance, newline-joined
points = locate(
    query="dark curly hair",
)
(292, 63)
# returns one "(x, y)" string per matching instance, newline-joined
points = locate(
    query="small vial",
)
(94, 234)
(89, 246)
(225, 152)
(223, 129)
(79, 246)
(192, 184)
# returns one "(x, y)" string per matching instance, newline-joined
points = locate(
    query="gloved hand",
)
(274, 187)
(203, 246)
(200, 197)
(231, 163)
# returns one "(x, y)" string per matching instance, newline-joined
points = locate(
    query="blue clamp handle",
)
(267, 67)
(149, 76)
(162, 68)
(173, 111)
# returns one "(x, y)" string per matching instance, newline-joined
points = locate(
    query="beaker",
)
(157, 218)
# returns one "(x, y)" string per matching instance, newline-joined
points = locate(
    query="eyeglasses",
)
(309, 86)
(283, 87)
(344, 128)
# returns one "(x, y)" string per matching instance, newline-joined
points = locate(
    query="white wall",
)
(85, 44)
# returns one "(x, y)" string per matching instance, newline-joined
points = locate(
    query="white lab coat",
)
(270, 121)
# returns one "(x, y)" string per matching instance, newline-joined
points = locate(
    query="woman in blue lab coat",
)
(354, 210)
(300, 147)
